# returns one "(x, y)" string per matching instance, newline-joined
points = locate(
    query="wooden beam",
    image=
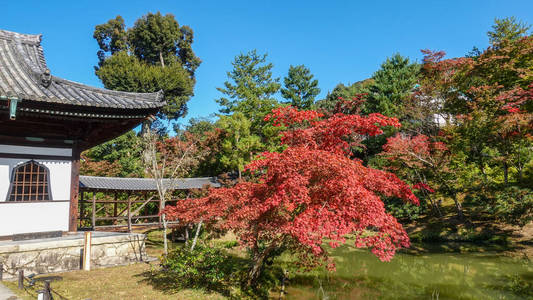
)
(82, 208)
(35, 156)
(74, 189)
(115, 207)
(93, 220)
(21, 141)
(129, 214)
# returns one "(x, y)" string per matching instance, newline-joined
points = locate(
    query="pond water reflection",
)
(429, 275)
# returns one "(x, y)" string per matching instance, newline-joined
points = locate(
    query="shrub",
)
(204, 267)
(404, 211)
(514, 205)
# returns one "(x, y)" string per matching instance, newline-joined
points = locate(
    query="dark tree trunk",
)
(505, 172)
(258, 261)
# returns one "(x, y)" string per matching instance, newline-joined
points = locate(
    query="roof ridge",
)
(22, 37)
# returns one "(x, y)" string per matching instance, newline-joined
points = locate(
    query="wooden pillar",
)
(87, 243)
(129, 214)
(93, 219)
(21, 279)
(82, 208)
(115, 209)
(74, 189)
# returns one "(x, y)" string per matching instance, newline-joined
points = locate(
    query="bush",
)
(204, 267)
(212, 269)
(514, 205)
(404, 211)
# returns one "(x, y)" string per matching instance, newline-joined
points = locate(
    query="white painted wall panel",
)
(59, 176)
(20, 217)
(35, 150)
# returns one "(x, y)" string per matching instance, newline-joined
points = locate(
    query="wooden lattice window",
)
(30, 182)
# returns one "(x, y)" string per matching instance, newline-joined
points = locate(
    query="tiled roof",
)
(25, 75)
(144, 184)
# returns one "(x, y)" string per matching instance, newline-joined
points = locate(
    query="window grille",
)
(30, 182)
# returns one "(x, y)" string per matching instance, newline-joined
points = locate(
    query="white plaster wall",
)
(20, 217)
(59, 176)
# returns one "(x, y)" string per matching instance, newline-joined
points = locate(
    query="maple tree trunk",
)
(258, 260)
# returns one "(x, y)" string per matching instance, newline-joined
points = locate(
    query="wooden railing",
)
(130, 214)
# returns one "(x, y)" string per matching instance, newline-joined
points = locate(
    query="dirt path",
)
(7, 294)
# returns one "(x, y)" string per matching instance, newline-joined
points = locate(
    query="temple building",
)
(45, 123)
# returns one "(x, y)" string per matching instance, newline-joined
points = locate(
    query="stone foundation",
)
(62, 254)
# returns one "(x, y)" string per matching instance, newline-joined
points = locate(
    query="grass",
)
(116, 283)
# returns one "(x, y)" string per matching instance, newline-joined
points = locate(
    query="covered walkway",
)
(112, 202)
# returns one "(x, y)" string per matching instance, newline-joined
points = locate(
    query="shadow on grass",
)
(227, 281)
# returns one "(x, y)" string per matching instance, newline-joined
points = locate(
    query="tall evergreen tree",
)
(392, 84)
(250, 88)
(507, 29)
(300, 89)
(155, 54)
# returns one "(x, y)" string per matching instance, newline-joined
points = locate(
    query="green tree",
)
(345, 92)
(392, 85)
(155, 54)
(239, 144)
(124, 151)
(300, 89)
(196, 126)
(507, 29)
(250, 89)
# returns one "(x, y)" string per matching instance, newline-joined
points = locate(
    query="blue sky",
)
(340, 41)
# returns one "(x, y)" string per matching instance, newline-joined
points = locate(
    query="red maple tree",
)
(312, 192)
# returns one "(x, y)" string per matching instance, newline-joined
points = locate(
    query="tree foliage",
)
(154, 54)
(342, 92)
(238, 144)
(250, 88)
(392, 86)
(487, 99)
(506, 30)
(119, 157)
(299, 87)
(309, 193)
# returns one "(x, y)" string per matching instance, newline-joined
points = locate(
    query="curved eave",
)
(24, 75)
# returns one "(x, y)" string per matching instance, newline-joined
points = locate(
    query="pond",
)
(432, 274)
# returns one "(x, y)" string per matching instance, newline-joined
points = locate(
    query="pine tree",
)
(507, 29)
(300, 88)
(250, 88)
(392, 84)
